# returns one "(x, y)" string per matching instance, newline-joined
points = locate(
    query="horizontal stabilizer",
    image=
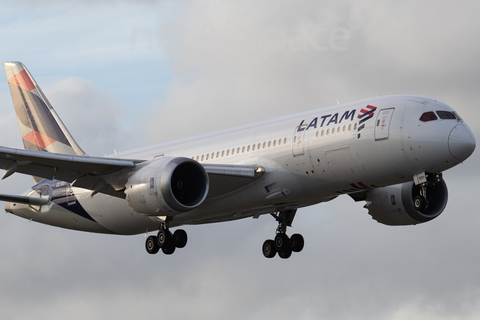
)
(35, 201)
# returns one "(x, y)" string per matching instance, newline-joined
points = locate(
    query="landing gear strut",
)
(282, 243)
(165, 240)
(420, 201)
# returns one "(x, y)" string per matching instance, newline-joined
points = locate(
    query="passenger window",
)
(264, 144)
(274, 143)
(243, 149)
(444, 115)
(223, 152)
(202, 158)
(428, 116)
(323, 133)
(208, 155)
(259, 145)
(355, 126)
(218, 153)
(253, 147)
(285, 141)
(248, 148)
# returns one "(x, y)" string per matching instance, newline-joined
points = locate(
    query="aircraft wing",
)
(84, 171)
(87, 172)
(227, 178)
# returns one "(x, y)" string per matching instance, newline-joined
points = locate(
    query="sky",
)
(125, 74)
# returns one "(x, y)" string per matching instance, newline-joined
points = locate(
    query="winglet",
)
(41, 127)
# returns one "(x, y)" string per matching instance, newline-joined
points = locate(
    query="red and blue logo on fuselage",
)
(364, 115)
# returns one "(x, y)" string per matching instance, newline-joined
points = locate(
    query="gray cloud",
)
(91, 115)
(248, 58)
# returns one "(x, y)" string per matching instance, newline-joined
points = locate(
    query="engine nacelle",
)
(167, 186)
(393, 205)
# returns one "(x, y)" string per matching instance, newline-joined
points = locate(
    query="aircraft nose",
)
(8, 208)
(461, 142)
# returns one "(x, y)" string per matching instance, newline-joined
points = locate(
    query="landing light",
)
(260, 170)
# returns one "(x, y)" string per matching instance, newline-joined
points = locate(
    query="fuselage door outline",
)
(298, 141)
(382, 124)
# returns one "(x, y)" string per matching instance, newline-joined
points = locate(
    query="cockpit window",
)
(446, 115)
(457, 115)
(428, 116)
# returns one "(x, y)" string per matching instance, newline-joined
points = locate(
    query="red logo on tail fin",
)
(22, 80)
(38, 139)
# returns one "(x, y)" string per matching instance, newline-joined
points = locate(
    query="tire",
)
(152, 245)
(281, 242)
(164, 238)
(297, 242)
(268, 249)
(180, 238)
(419, 203)
(285, 254)
(168, 249)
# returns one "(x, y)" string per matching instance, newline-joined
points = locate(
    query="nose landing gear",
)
(283, 244)
(428, 180)
(420, 202)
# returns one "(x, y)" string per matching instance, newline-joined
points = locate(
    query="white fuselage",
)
(310, 157)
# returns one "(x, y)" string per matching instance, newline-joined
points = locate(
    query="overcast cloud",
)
(129, 73)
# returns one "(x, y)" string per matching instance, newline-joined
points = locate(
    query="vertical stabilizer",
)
(41, 128)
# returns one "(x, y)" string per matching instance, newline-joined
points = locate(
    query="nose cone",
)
(8, 208)
(461, 142)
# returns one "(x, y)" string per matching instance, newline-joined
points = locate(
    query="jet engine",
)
(394, 205)
(167, 186)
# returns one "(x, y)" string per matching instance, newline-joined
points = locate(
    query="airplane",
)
(389, 151)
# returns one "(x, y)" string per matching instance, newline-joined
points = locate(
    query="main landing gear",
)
(282, 243)
(165, 240)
